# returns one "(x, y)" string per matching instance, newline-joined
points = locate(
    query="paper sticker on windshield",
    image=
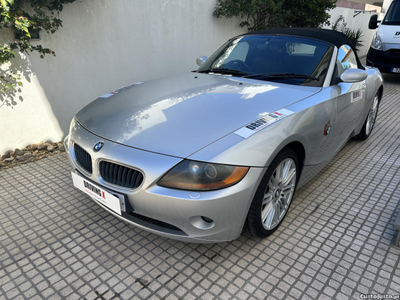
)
(355, 96)
(121, 89)
(263, 122)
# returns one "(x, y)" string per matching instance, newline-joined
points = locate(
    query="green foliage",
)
(261, 14)
(24, 17)
(339, 24)
(356, 36)
(11, 81)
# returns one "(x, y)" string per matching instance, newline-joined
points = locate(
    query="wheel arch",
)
(300, 151)
(251, 223)
(295, 143)
(380, 91)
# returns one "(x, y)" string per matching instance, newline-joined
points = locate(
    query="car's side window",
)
(346, 59)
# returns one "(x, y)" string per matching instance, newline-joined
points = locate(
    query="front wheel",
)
(274, 195)
(371, 119)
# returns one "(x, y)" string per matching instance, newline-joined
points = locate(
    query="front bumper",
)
(384, 60)
(159, 209)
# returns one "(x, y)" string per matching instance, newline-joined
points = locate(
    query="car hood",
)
(179, 115)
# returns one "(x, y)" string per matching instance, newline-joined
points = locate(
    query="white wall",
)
(102, 46)
(355, 22)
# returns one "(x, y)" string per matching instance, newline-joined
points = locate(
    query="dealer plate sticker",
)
(263, 122)
(356, 95)
(395, 70)
(97, 193)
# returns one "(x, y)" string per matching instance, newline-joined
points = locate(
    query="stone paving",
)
(335, 243)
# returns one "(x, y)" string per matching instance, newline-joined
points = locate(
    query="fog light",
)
(208, 220)
(201, 222)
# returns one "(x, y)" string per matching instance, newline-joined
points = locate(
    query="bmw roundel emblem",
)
(98, 146)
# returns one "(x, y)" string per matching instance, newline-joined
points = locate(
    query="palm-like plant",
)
(354, 35)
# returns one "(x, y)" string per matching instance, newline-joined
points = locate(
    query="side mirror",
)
(201, 60)
(353, 75)
(373, 22)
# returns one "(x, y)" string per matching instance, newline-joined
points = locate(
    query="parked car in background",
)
(202, 155)
(385, 48)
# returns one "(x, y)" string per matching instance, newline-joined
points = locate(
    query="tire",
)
(272, 200)
(370, 120)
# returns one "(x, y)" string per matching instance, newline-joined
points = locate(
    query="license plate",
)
(111, 201)
(396, 70)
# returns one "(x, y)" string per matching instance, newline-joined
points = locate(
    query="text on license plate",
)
(396, 70)
(97, 193)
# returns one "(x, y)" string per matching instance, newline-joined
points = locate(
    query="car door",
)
(351, 96)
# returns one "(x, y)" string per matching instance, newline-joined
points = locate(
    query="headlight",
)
(66, 142)
(198, 176)
(377, 42)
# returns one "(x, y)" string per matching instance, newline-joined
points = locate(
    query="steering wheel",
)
(237, 65)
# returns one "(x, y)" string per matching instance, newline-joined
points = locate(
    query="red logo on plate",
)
(104, 196)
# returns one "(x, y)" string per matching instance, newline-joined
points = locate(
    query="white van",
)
(384, 53)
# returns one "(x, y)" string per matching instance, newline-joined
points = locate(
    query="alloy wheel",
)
(279, 194)
(371, 118)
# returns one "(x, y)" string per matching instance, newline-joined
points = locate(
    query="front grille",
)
(83, 158)
(392, 58)
(120, 175)
(394, 52)
(157, 225)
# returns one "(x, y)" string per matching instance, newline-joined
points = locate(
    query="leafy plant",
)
(260, 14)
(25, 17)
(339, 24)
(354, 35)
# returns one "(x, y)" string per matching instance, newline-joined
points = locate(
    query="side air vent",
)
(156, 224)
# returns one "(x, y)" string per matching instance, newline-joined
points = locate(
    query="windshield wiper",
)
(224, 71)
(280, 76)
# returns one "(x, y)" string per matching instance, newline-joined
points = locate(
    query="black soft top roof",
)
(329, 36)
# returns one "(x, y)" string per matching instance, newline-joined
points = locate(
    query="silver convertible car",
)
(203, 155)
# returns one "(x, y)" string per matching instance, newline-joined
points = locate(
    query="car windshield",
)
(392, 16)
(286, 59)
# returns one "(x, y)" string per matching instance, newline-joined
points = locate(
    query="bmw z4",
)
(203, 155)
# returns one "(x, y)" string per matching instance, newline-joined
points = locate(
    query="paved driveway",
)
(336, 242)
